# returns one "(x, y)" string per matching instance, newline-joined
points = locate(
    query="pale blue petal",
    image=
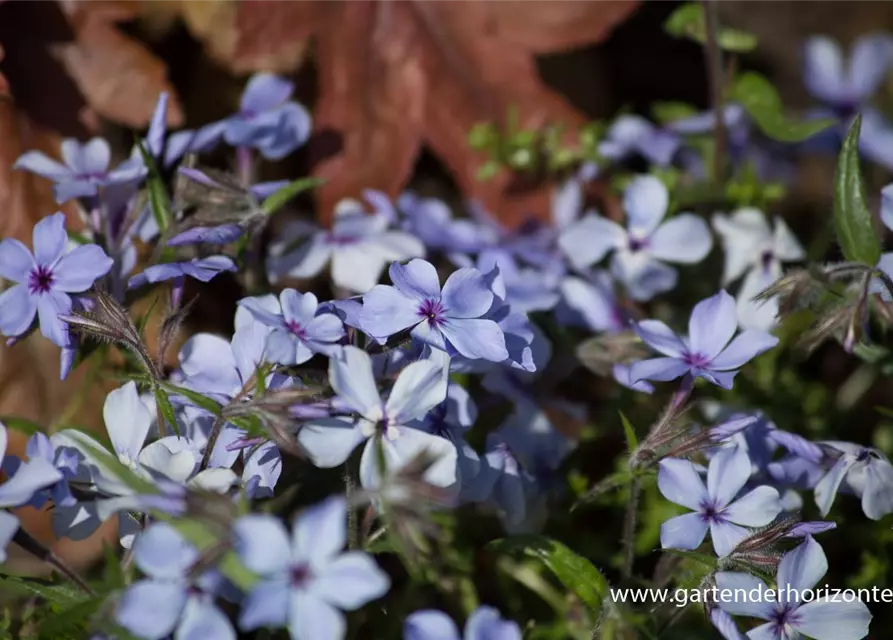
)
(162, 552)
(50, 306)
(9, 524)
(420, 387)
(886, 209)
(756, 508)
(204, 269)
(725, 536)
(803, 567)
(760, 608)
(262, 543)
(870, 60)
(211, 358)
(430, 624)
(657, 369)
(319, 533)
(265, 606)
(78, 270)
(429, 334)
(833, 620)
(326, 327)
(683, 532)
(827, 488)
(265, 91)
(745, 347)
(660, 337)
(202, 620)
(91, 157)
(723, 379)
(17, 310)
(282, 347)
(712, 324)
(476, 338)
(684, 239)
(416, 279)
(267, 311)
(680, 483)
(466, 294)
(877, 495)
(726, 626)
(330, 441)
(823, 71)
(41, 164)
(588, 241)
(352, 379)
(311, 618)
(387, 311)
(645, 202)
(29, 478)
(49, 239)
(486, 624)
(150, 609)
(16, 262)
(643, 276)
(728, 472)
(350, 581)
(298, 307)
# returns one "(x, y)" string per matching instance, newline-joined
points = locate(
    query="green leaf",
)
(108, 463)
(166, 409)
(159, 200)
(200, 536)
(70, 620)
(206, 403)
(700, 558)
(63, 594)
(688, 22)
(665, 112)
(575, 572)
(631, 440)
(853, 222)
(760, 99)
(22, 425)
(277, 200)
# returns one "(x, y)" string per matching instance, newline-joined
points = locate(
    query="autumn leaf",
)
(397, 75)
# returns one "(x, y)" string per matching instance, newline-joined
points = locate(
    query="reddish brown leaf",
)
(396, 73)
(118, 76)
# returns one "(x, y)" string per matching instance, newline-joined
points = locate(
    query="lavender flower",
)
(503, 481)
(169, 600)
(757, 252)
(865, 471)
(26, 480)
(382, 423)
(452, 320)
(786, 615)
(641, 249)
(707, 351)
(45, 279)
(484, 624)
(714, 505)
(634, 135)
(885, 263)
(306, 580)
(202, 269)
(358, 246)
(299, 330)
(85, 171)
(267, 120)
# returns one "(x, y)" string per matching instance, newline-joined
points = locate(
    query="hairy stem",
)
(352, 532)
(220, 420)
(30, 544)
(629, 526)
(715, 77)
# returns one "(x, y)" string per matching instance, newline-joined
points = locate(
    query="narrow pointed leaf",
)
(760, 99)
(278, 199)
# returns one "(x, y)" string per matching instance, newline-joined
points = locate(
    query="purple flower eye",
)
(433, 311)
(40, 279)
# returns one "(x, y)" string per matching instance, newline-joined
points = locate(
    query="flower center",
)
(294, 327)
(766, 259)
(40, 280)
(782, 617)
(695, 359)
(300, 575)
(637, 244)
(709, 512)
(432, 311)
(333, 238)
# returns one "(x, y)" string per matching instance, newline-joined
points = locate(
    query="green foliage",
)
(757, 95)
(576, 573)
(688, 22)
(853, 222)
(159, 199)
(277, 200)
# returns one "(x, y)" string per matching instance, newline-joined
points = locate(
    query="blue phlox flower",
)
(484, 623)
(86, 169)
(788, 616)
(299, 330)
(640, 250)
(885, 263)
(168, 600)
(358, 246)
(863, 470)
(631, 135)
(754, 250)
(306, 580)
(714, 505)
(383, 424)
(45, 278)
(432, 222)
(524, 289)
(452, 319)
(592, 302)
(708, 351)
(201, 269)
(503, 482)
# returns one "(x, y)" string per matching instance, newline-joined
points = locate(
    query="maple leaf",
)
(397, 75)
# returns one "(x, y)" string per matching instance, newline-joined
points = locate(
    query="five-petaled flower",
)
(85, 171)
(452, 319)
(641, 249)
(788, 613)
(305, 579)
(708, 352)
(714, 505)
(46, 278)
(484, 623)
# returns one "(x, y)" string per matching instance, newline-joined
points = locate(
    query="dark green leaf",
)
(22, 425)
(575, 572)
(206, 403)
(278, 199)
(701, 558)
(62, 594)
(631, 440)
(204, 539)
(159, 200)
(688, 22)
(665, 112)
(166, 409)
(853, 222)
(71, 621)
(761, 101)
